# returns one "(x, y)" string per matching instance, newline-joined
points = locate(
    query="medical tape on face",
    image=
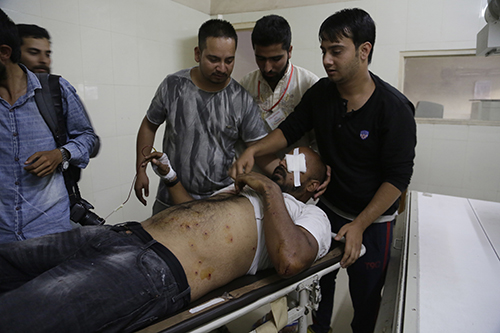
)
(296, 163)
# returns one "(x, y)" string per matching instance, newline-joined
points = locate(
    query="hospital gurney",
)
(251, 292)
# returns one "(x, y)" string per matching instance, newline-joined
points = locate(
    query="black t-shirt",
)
(364, 148)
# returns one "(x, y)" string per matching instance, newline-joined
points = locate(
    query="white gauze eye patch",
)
(296, 163)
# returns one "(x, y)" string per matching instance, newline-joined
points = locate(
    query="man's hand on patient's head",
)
(322, 188)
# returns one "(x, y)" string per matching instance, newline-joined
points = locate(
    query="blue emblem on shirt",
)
(364, 134)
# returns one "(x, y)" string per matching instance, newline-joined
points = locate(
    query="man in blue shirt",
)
(34, 200)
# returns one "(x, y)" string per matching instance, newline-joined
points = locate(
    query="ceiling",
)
(216, 7)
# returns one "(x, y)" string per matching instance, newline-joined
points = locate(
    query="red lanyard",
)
(283, 95)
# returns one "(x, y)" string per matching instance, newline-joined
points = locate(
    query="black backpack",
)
(49, 103)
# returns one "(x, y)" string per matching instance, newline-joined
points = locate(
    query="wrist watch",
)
(65, 156)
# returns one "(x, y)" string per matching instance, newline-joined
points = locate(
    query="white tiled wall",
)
(115, 52)
(402, 25)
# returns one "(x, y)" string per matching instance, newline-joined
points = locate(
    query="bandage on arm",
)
(296, 163)
(170, 177)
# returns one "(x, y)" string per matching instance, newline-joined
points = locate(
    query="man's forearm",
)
(178, 194)
(283, 237)
(267, 163)
(286, 238)
(145, 138)
(81, 134)
(271, 144)
(385, 196)
(353, 231)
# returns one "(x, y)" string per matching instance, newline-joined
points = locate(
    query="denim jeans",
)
(84, 280)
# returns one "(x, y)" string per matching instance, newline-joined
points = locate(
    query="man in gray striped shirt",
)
(205, 112)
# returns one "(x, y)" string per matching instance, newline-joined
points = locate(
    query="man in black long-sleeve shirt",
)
(366, 132)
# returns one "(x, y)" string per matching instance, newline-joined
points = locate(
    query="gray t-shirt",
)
(201, 130)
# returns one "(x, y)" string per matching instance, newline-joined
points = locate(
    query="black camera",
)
(80, 209)
(80, 213)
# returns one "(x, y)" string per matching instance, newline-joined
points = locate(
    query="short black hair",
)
(33, 31)
(216, 28)
(270, 30)
(353, 23)
(9, 36)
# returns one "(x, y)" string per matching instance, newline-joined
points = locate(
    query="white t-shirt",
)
(276, 105)
(309, 217)
(286, 95)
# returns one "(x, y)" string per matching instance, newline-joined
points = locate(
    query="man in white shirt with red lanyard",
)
(278, 85)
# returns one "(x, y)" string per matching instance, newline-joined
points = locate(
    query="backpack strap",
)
(49, 103)
(55, 90)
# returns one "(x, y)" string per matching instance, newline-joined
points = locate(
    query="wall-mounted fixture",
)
(488, 39)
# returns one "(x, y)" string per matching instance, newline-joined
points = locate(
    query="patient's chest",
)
(215, 240)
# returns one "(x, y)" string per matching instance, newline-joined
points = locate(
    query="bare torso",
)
(214, 239)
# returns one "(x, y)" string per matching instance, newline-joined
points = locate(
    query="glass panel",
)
(458, 87)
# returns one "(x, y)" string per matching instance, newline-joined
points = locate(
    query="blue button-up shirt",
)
(32, 206)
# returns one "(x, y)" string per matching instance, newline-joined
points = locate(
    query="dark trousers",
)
(366, 277)
(89, 279)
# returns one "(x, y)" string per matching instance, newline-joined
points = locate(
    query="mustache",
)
(280, 170)
(46, 68)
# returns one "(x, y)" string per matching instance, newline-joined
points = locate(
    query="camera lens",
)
(91, 218)
(80, 213)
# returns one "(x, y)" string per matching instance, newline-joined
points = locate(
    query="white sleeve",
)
(315, 221)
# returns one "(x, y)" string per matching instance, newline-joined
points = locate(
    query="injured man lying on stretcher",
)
(123, 277)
